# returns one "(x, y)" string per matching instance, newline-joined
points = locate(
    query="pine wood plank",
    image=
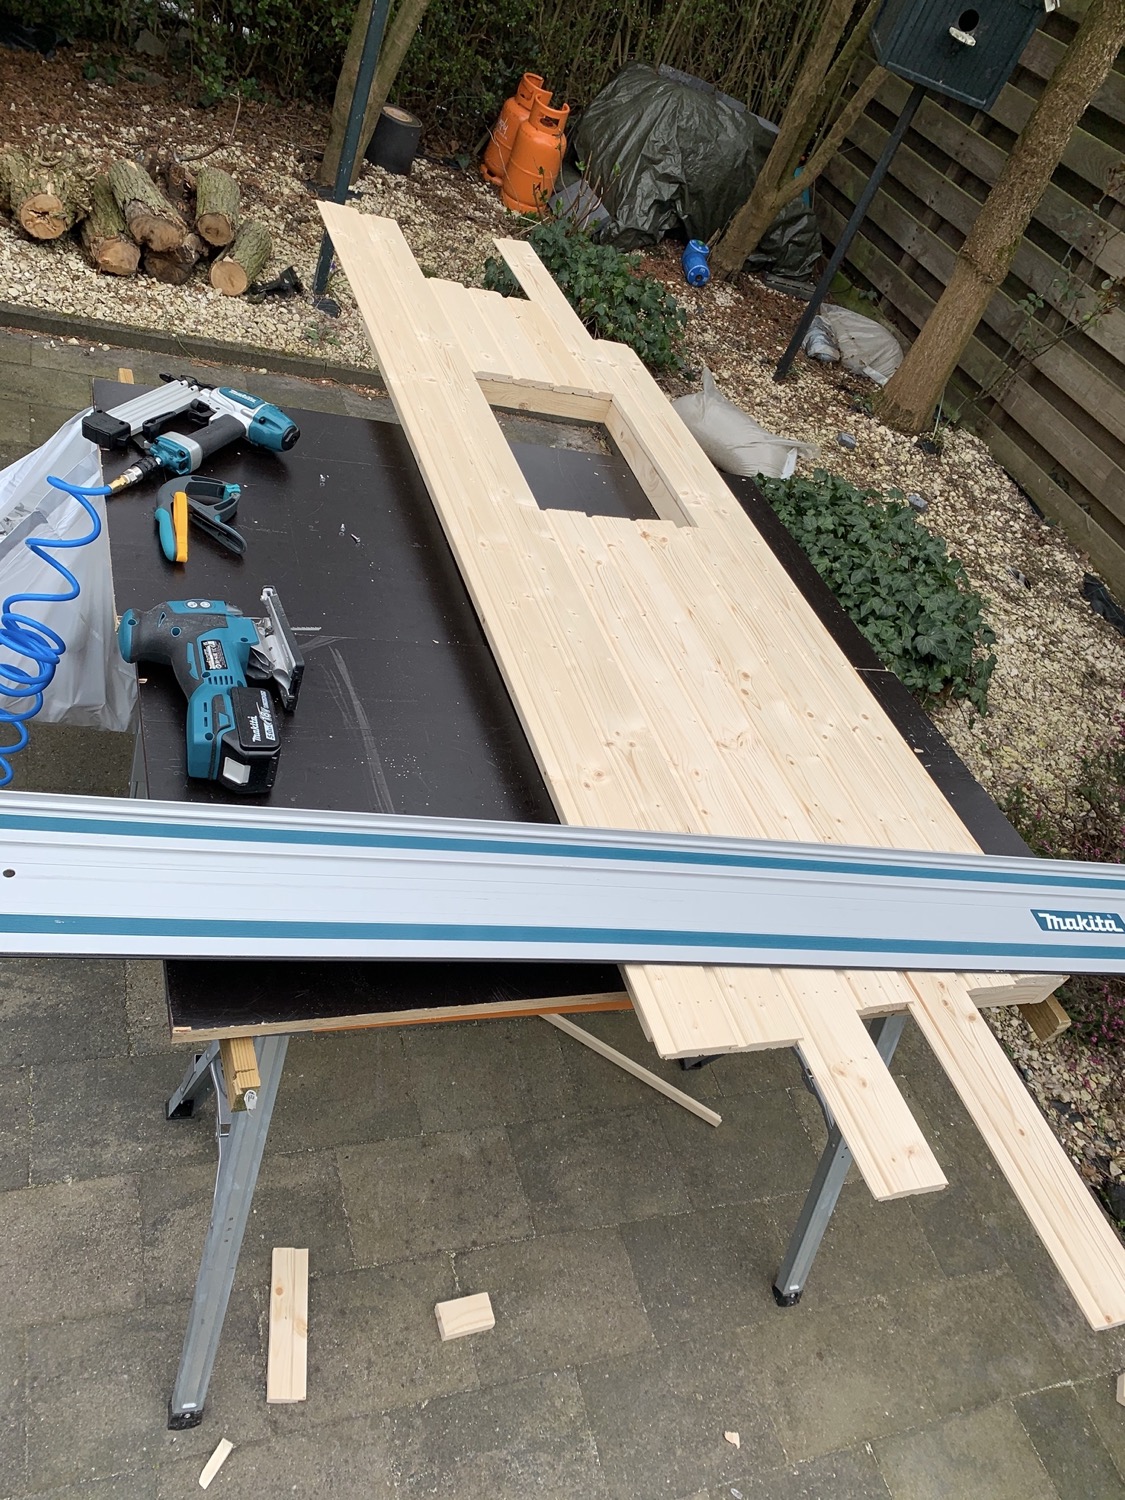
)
(240, 1070)
(607, 763)
(883, 1136)
(524, 346)
(627, 1065)
(1077, 1235)
(583, 723)
(490, 1010)
(700, 728)
(563, 365)
(472, 328)
(703, 726)
(542, 288)
(547, 400)
(1047, 1019)
(1011, 989)
(286, 1369)
(464, 1315)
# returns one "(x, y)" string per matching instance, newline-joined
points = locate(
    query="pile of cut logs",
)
(160, 217)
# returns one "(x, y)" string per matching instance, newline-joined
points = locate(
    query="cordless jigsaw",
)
(217, 652)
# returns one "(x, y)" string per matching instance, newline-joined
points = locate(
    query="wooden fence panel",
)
(1043, 379)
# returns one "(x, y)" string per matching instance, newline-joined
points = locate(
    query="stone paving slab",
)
(956, 1456)
(627, 1247)
(851, 1475)
(1066, 1442)
(558, 1300)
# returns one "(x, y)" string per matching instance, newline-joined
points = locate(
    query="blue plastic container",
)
(696, 270)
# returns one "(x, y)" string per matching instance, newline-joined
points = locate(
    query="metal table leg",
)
(826, 1184)
(241, 1139)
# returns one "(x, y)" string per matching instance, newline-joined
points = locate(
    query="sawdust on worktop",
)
(1057, 687)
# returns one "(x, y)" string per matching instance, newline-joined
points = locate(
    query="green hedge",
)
(468, 54)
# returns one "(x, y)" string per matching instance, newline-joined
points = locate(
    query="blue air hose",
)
(25, 636)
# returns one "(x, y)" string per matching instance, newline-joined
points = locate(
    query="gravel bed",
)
(1060, 669)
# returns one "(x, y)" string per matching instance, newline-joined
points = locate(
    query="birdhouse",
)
(965, 52)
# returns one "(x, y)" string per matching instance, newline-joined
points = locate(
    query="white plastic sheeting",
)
(92, 688)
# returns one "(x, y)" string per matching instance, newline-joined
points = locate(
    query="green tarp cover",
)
(666, 157)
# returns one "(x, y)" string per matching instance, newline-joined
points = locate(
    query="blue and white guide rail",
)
(115, 877)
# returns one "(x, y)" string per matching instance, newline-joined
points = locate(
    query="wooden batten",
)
(286, 1370)
(1076, 1233)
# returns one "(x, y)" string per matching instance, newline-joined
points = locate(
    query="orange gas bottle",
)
(533, 166)
(502, 136)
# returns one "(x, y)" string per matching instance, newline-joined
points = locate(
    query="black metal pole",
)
(372, 43)
(894, 140)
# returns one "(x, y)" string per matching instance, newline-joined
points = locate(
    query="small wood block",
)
(286, 1370)
(1047, 1019)
(1121, 1388)
(464, 1315)
(125, 377)
(215, 1462)
(240, 1069)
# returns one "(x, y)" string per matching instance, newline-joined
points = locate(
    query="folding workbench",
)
(402, 710)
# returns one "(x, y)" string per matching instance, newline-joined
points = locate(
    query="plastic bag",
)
(733, 441)
(866, 347)
(820, 343)
(93, 688)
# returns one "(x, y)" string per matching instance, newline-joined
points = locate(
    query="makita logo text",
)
(1079, 921)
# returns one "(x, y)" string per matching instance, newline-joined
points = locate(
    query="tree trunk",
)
(396, 41)
(216, 206)
(152, 220)
(244, 262)
(908, 399)
(45, 200)
(810, 98)
(105, 238)
(174, 267)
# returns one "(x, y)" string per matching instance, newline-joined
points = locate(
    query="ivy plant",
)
(911, 600)
(606, 290)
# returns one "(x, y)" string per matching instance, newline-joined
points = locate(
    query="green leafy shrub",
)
(465, 60)
(468, 54)
(251, 47)
(606, 290)
(897, 581)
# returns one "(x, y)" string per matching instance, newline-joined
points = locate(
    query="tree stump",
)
(105, 238)
(45, 199)
(152, 220)
(244, 262)
(216, 206)
(174, 267)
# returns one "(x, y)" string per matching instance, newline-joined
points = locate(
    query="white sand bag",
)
(733, 441)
